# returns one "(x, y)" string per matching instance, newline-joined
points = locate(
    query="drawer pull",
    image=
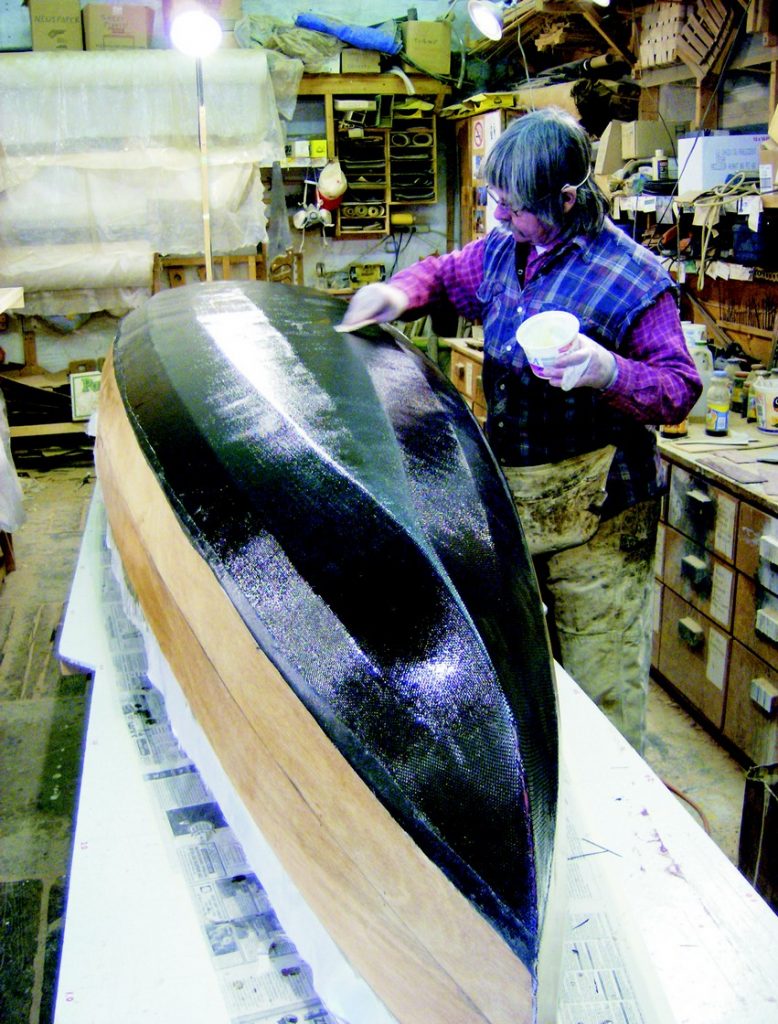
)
(768, 549)
(767, 623)
(765, 695)
(695, 569)
(691, 633)
(699, 502)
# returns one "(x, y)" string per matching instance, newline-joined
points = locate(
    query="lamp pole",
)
(202, 142)
(198, 34)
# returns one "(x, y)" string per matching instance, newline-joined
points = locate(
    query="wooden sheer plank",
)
(420, 944)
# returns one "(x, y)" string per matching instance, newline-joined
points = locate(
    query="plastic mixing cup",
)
(544, 336)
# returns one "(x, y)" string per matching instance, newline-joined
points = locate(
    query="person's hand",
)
(375, 303)
(585, 364)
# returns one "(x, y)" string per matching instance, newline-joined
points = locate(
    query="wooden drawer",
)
(757, 546)
(694, 656)
(753, 526)
(751, 719)
(702, 512)
(699, 577)
(466, 377)
(756, 619)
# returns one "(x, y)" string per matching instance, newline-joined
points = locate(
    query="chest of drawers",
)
(716, 601)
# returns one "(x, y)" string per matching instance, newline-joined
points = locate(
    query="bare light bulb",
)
(487, 17)
(195, 33)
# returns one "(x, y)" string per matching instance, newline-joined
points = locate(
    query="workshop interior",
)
(388, 512)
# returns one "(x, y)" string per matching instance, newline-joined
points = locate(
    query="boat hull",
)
(211, 468)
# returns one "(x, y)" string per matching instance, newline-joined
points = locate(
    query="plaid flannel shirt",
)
(624, 301)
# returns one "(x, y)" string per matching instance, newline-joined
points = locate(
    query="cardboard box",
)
(643, 138)
(360, 62)
(117, 26)
(56, 25)
(428, 44)
(768, 174)
(84, 394)
(705, 161)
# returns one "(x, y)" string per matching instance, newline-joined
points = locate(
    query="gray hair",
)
(535, 158)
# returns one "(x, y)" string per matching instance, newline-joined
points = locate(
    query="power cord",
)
(688, 800)
(713, 202)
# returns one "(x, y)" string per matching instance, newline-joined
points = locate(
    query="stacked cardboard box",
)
(56, 25)
(113, 26)
(428, 45)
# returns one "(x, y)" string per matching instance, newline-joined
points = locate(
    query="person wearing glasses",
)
(578, 444)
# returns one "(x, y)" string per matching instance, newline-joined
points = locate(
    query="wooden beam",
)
(706, 106)
(586, 11)
(365, 85)
(648, 104)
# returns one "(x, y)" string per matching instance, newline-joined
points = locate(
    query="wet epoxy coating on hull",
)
(348, 504)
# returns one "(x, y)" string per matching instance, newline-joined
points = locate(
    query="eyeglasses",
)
(516, 210)
(504, 204)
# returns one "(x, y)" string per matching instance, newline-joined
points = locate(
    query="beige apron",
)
(559, 502)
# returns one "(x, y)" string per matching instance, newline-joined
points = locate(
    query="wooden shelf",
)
(361, 85)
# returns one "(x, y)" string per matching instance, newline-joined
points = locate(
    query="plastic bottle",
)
(757, 371)
(717, 402)
(766, 392)
(703, 360)
(659, 166)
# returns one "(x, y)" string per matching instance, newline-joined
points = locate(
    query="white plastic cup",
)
(545, 336)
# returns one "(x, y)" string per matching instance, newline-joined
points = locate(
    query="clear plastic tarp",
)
(101, 165)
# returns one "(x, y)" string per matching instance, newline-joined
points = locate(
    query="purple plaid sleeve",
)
(453, 277)
(657, 380)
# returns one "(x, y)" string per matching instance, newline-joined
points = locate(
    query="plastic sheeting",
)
(101, 152)
(12, 513)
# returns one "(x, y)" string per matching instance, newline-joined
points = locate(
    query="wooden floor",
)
(42, 714)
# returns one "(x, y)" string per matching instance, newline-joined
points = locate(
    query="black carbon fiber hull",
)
(349, 506)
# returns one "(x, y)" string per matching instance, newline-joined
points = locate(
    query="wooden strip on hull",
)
(418, 942)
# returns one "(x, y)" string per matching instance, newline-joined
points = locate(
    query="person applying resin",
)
(576, 438)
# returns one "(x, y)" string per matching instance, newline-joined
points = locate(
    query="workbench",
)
(659, 925)
(716, 593)
(715, 635)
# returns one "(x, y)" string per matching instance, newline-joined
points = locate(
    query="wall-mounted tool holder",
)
(387, 150)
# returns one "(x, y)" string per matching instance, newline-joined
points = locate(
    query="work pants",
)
(599, 598)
